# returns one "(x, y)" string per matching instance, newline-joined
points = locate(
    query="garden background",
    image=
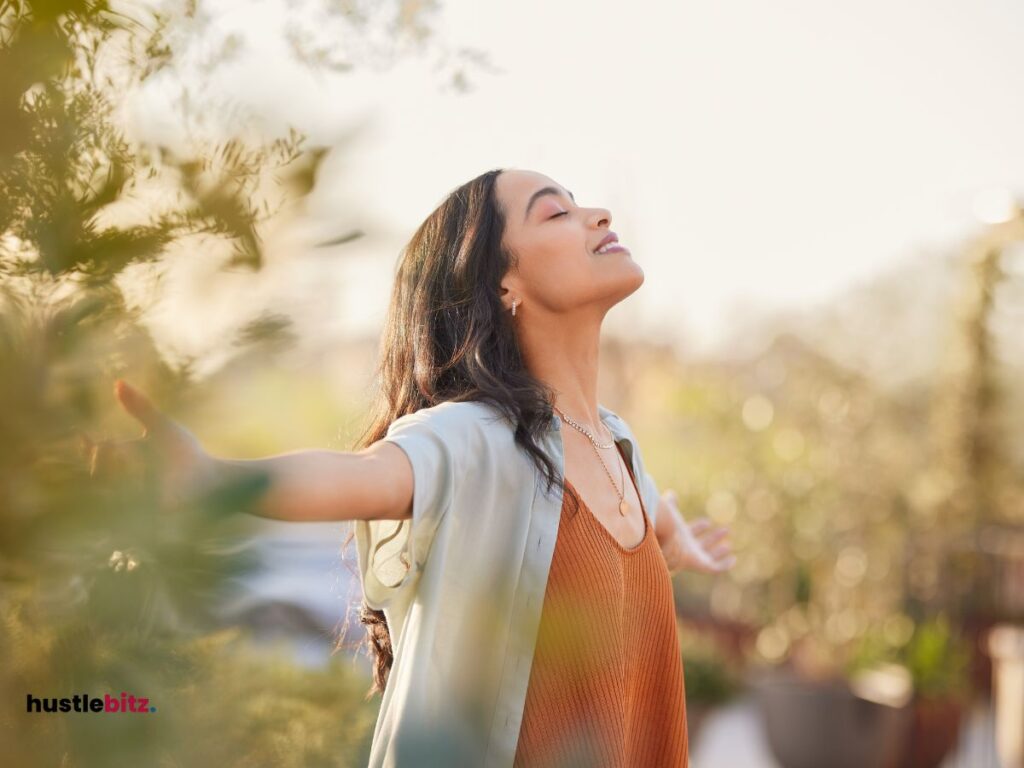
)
(208, 200)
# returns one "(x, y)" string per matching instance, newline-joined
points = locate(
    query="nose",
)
(601, 216)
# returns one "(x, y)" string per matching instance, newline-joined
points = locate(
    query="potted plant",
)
(822, 704)
(892, 698)
(938, 661)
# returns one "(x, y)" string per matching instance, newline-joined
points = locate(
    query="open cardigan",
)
(462, 582)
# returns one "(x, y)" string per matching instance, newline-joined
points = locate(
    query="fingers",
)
(709, 537)
(718, 561)
(706, 533)
(711, 541)
(700, 525)
(722, 566)
(710, 551)
(720, 551)
(139, 406)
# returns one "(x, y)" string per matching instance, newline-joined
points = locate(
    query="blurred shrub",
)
(102, 590)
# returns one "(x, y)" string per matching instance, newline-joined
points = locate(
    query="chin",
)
(632, 284)
(639, 272)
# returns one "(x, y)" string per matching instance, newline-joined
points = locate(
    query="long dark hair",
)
(448, 337)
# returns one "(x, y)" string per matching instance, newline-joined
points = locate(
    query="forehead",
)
(514, 187)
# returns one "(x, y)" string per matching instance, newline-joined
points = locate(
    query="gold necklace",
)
(582, 429)
(623, 504)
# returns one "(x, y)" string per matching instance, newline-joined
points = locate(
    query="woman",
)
(514, 553)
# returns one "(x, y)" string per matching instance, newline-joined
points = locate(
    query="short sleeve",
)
(391, 553)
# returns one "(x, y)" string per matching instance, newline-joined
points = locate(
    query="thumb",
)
(139, 406)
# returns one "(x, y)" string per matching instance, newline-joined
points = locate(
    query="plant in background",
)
(102, 590)
(710, 677)
(937, 659)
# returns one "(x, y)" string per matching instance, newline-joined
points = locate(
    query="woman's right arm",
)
(313, 485)
(375, 483)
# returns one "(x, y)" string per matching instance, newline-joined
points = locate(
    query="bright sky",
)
(752, 154)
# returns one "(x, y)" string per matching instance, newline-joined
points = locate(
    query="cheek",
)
(561, 246)
(559, 274)
(556, 256)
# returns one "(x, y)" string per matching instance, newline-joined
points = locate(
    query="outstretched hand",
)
(138, 405)
(182, 463)
(698, 546)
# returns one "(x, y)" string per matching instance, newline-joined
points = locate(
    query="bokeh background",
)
(208, 199)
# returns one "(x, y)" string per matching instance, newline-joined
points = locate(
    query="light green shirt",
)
(464, 618)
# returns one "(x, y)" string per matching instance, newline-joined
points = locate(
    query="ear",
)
(509, 290)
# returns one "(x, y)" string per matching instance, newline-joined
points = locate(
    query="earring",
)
(514, 302)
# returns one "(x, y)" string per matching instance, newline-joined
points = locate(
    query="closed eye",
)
(560, 213)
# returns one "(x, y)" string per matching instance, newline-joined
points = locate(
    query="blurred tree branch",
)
(100, 590)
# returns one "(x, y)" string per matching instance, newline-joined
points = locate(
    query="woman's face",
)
(556, 241)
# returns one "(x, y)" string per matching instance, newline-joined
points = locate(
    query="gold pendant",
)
(623, 507)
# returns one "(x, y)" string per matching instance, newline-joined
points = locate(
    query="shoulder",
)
(462, 427)
(451, 414)
(467, 443)
(616, 422)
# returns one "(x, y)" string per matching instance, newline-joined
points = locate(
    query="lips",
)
(611, 237)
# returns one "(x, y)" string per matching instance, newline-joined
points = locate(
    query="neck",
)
(565, 356)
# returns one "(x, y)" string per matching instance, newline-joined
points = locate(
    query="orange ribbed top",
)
(606, 685)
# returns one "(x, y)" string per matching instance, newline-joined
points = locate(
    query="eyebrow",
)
(540, 193)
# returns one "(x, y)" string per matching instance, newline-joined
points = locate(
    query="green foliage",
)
(71, 184)
(937, 659)
(837, 492)
(709, 675)
(217, 701)
(103, 590)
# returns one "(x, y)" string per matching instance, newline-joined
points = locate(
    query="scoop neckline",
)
(647, 523)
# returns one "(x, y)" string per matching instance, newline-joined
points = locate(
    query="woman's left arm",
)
(698, 546)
